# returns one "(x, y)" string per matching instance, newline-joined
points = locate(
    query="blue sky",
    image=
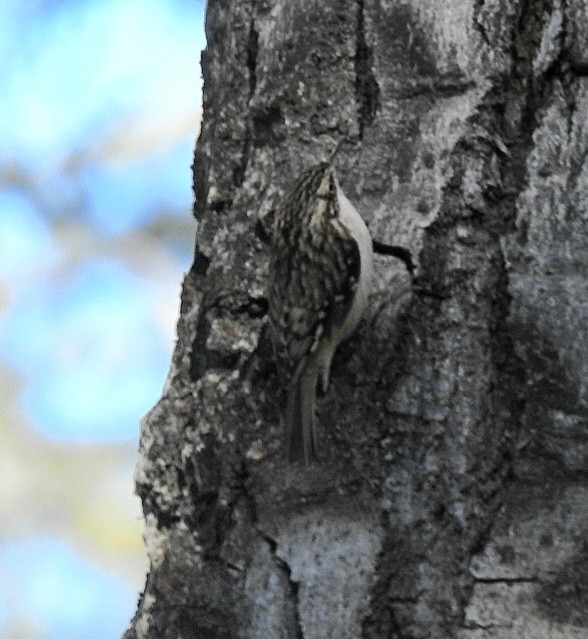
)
(99, 113)
(54, 593)
(92, 357)
(74, 74)
(72, 70)
(95, 115)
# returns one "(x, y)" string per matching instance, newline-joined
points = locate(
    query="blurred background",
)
(99, 111)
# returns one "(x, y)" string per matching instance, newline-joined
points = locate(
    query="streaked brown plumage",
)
(320, 276)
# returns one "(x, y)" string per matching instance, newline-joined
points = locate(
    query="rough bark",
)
(453, 501)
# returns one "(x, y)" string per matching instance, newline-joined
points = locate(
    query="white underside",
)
(353, 222)
(358, 229)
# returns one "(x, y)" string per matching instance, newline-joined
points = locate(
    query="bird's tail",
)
(300, 423)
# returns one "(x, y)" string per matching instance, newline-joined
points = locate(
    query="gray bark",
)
(453, 500)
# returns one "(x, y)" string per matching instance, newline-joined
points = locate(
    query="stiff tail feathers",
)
(300, 421)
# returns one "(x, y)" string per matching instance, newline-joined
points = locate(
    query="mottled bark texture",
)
(454, 499)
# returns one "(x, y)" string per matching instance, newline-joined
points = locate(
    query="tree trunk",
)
(452, 500)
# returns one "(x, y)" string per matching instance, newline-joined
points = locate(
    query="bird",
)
(320, 277)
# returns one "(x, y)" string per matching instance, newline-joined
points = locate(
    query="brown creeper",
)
(320, 278)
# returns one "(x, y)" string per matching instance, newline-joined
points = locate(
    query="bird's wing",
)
(312, 292)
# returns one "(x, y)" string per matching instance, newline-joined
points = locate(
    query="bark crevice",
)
(366, 85)
(294, 622)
